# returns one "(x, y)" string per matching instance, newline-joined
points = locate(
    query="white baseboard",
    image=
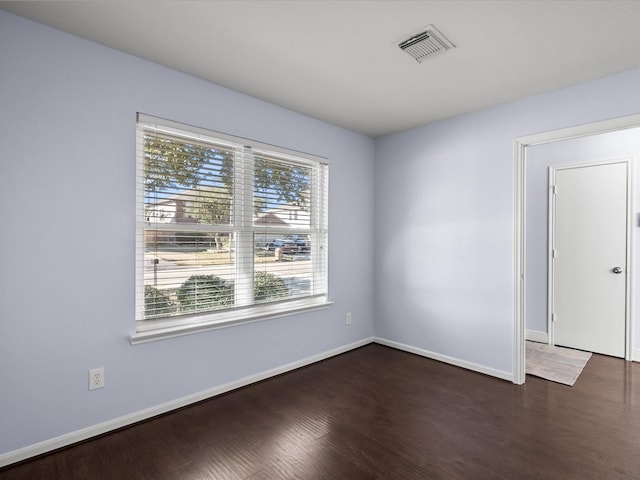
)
(94, 430)
(537, 336)
(636, 355)
(446, 359)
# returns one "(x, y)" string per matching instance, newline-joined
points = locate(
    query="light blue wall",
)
(594, 148)
(444, 220)
(67, 200)
(443, 236)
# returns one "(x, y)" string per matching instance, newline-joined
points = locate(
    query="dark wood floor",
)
(380, 413)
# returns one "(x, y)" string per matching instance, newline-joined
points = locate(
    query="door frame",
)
(520, 146)
(628, 162)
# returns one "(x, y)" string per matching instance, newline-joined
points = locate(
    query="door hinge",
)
(553, 317)
(554, 189)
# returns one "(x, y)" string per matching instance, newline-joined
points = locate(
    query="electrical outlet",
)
(96, 378)
(347, 319)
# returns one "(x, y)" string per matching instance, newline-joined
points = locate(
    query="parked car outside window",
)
(287, 246)
(302, 242)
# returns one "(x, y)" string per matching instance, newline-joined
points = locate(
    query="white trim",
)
(519, 264)
(520, 145)
(631, 235)
(596, 128)
(537, 336)
(241, 318)
(105, 427)
(636, 355)
(446, 359)
(551, 215)
(192, 132)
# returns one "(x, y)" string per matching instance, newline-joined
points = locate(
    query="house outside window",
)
(228, 230)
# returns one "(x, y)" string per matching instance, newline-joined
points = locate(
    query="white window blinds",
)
(228, 230)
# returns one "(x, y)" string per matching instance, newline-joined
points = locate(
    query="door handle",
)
(617, 270)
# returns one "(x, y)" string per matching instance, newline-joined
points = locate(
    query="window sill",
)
(227, 320)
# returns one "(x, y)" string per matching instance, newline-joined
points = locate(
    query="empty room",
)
(304, 239)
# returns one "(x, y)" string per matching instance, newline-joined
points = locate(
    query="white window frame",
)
(242, 227)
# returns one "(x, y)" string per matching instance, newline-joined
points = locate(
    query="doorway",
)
(521, 148)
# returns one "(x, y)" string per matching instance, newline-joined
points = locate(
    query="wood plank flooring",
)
(378, 413)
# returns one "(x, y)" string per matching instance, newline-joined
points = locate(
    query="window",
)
(228, 230)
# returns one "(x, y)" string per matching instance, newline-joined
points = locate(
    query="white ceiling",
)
(339, 61)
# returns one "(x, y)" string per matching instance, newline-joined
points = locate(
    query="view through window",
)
(227, 229)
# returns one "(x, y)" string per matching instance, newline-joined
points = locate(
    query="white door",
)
(589, 257)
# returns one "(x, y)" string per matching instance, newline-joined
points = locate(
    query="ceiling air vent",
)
(426, 44)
